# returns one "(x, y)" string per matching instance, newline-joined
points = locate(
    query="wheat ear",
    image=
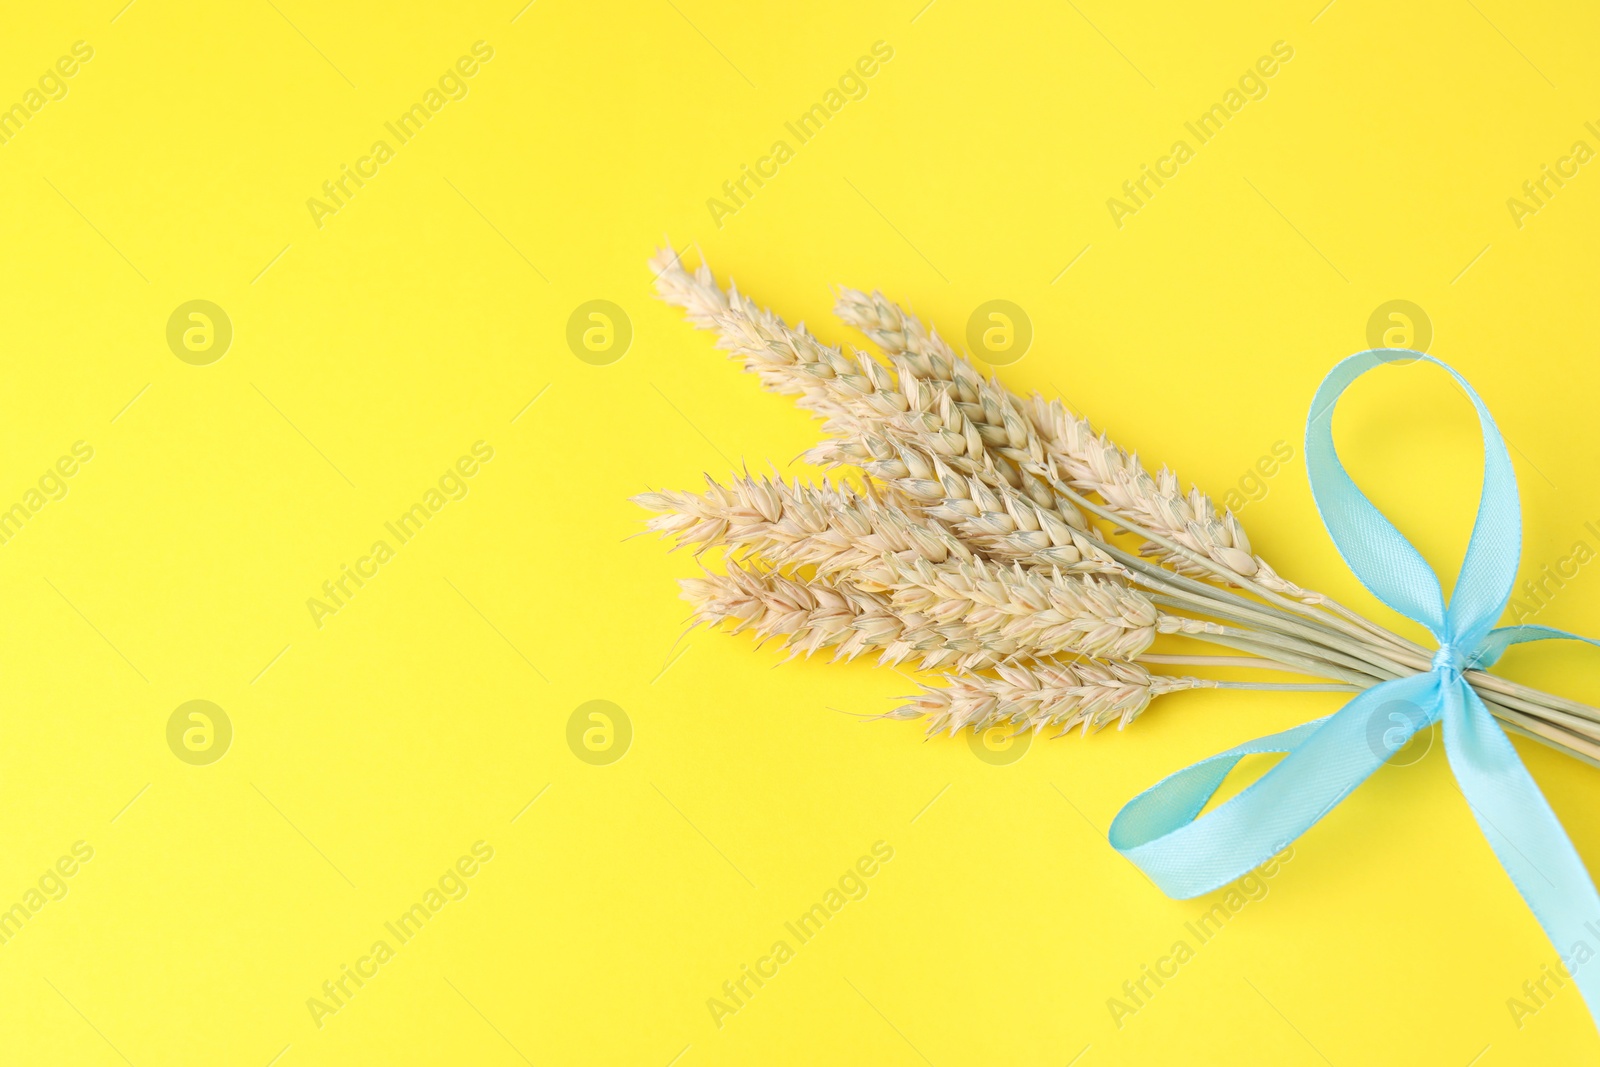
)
(919, 353)
(831, 528)
(1044, 693)
(896, 415)
(880, 549)
(1026, 525)
(844, 389)
(1044, 612)
(813, 615)
(1092, 462)
(1089, 460)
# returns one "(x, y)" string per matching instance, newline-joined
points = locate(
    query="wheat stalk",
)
(969, 545)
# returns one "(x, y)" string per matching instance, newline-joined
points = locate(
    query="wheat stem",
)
(1176, 660)
(1291, 687)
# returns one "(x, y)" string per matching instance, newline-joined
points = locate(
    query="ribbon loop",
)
(1186, 853)
(1327, 758)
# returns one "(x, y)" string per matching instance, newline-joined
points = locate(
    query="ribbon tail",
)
(1494, 645)
(1524, 833)
(1186, 856)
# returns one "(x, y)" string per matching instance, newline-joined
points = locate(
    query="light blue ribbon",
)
(1186, 854)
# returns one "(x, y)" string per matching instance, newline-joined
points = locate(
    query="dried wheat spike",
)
(812, 615)
(975, 426)
(1090, 461)
(997, 520)
(840, 388)
(831, 528)
(920, 353)
(853, 540)
(1042, 611)
(1043, 693)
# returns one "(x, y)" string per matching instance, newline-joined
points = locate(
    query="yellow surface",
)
(381, 338)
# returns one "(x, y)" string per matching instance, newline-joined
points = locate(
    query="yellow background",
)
(370, 353)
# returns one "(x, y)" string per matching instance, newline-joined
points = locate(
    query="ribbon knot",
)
(1187, 854)
(1449, 660)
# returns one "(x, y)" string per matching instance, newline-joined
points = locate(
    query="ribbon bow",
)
(1327, 758)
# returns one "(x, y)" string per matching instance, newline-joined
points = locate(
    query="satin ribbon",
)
(1187, 854)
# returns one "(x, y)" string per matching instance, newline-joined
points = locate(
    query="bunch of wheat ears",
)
(970, 546)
